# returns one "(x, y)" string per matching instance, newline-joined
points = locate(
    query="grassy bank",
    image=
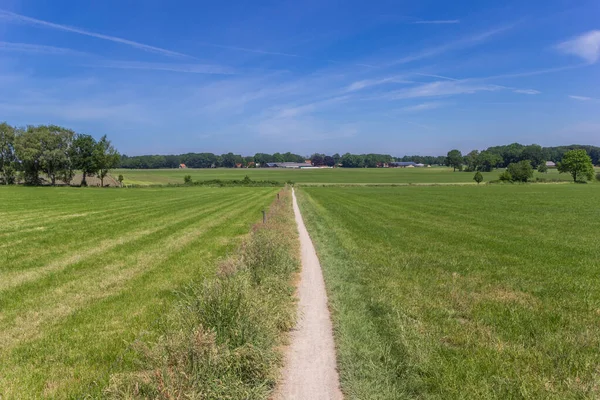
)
(83, 272)
(223, 340)
(462, 292)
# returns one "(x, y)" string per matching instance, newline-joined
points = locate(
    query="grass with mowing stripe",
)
(462, 292)
(83, 272)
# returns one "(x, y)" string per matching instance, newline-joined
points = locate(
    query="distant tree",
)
(120, 179)
(329, 161)
(472, 161)
(521, 171)
(82, 154)
(8, 159)
(478, 177)
(534, 154)
(454, 159)
(105, 158)
(317, 159)
(578, 164)
(336, 158)
(542, 167)
(55, 159)
(487, 161)
(187, 179)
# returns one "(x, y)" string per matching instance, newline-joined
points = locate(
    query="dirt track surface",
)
(310, 370)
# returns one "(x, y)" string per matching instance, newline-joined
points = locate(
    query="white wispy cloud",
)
(422, 107)
(366, 83)
(442, 88)
(187, 68)
(310, 107)
(581, 98)
(14, 17)
(437, 76)
(455, 45)
(439, 21)
(586, 46)
(527, 91)
(37, 49)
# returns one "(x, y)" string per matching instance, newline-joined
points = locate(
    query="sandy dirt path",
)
(310, 365)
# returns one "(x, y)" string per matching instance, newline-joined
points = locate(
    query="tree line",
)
(26, 154)
(503, 156)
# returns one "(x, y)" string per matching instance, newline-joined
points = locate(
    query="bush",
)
(506, 176)
(478, 177)
(187, 179)
(521, 171)
(542, 168)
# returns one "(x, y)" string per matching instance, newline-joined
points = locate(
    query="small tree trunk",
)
(53, 177)
(83, 181)
(101, 180)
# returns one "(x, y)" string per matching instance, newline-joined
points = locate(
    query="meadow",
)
(308, 176)
(86, 272)
(452, 292)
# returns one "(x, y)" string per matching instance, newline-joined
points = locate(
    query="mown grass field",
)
(311, 176)
(84, 272)
(462, 292)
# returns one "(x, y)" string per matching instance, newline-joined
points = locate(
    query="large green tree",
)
(56, 147)
(82, 154)
(105, 158)
(578, 164)
(29, 147)
(454, 159)
(8, 159)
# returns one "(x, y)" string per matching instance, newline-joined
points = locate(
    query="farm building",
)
(402, 164)
(182, 166)
(288, 165)
(550, 164)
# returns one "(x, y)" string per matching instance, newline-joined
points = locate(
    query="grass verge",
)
(224, 338)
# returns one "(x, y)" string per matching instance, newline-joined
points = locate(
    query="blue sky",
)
(397, 77)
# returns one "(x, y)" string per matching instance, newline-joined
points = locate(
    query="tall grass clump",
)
(224, 339)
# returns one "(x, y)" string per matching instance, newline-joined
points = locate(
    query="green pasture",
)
(359, 176)
(462, 292)
(84, 272)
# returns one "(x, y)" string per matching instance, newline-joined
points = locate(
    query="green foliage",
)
(82, 154)
(505, 176)
(454, 159)
(598, 176)
(578, 164)
(8, 159)
(105, 158)
(542, 168)
(187, 179)
(521, 171)
(120, 179)
(478, 177)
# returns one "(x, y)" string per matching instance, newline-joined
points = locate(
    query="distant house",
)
(308, 162)
(182, 166)
(420, 165)
(402, 164)
(550, 164)
(238, 165)
(250, 164)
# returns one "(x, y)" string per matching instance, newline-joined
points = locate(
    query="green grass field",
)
(462, 292)
(83, 272)
(309, 176)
